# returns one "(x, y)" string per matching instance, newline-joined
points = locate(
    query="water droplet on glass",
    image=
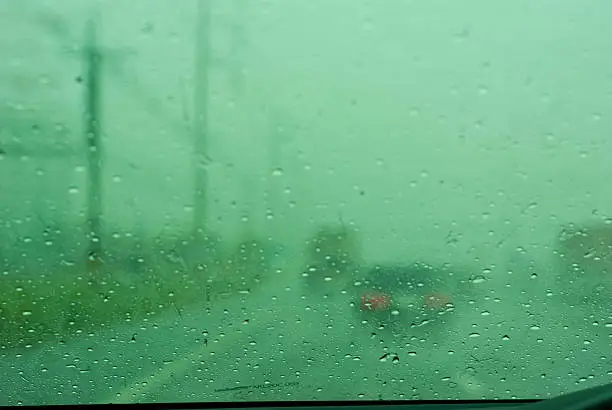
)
(478, 279)
(277, 172)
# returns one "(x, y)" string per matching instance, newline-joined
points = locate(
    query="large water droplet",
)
(478, 279)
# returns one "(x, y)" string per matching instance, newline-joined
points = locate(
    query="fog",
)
(414, 122)
(376, 177)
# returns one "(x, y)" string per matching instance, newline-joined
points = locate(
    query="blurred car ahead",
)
(415, 299)
(401, 300)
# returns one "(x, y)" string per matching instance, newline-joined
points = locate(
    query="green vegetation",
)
(335, 248)
(36, 308)
(583, 257)
(333, 256)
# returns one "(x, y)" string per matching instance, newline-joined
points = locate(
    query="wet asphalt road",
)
(280, 343)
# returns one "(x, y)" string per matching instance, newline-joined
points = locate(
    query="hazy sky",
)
(410, 119)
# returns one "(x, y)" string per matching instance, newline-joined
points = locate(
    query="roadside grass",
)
(58, 306)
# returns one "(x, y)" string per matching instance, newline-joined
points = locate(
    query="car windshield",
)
(271, 200)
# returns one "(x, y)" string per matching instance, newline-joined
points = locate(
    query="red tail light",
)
(375, 301)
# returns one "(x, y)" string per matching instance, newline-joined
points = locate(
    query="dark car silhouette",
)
(414, 298)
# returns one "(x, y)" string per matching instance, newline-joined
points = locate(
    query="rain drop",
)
(478, 279)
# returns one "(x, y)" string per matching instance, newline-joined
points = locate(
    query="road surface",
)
(282, 343)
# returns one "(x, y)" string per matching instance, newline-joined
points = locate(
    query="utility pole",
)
(200, 116)
(276, 175)
(203, 61)
(92, 59)
(234, 63)
(92, 56)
